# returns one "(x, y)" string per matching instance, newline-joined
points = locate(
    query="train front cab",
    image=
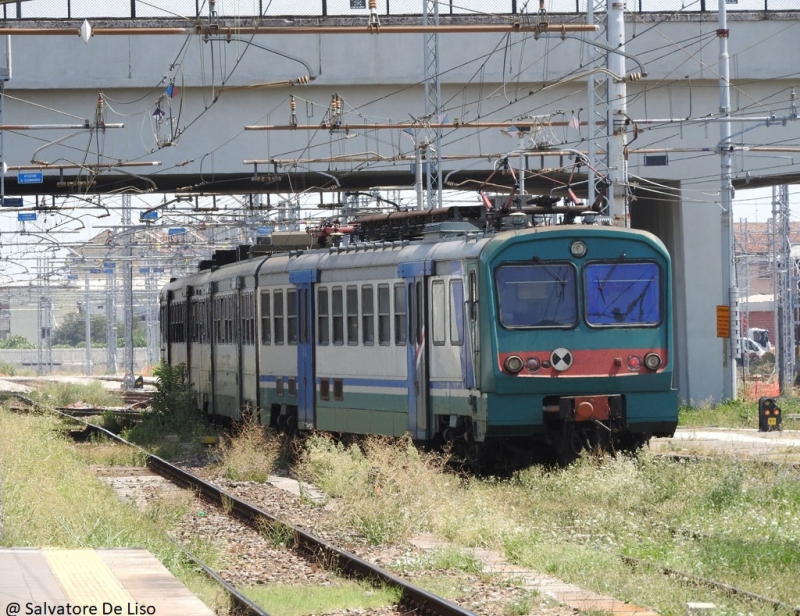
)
(580, 338)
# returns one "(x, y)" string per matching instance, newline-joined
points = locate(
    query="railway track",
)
(320, 551)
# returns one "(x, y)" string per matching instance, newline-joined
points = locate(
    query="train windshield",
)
(540, 295)
(621, 293)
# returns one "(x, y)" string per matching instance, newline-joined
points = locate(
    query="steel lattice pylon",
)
(433, 138)
(785, 286)
(597, 89)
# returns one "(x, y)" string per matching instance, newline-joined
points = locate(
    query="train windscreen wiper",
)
(600, 285)
(553, 275)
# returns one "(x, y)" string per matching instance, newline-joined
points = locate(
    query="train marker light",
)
(769, 415)
(532, 364)
(634, 362)
(652, 361)
(578, 249)
(513, 364)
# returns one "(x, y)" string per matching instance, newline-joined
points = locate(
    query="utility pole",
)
(127, 291)
(731, 347)
(111, 321)
(87, 309)
(617, 116)
(597, 92)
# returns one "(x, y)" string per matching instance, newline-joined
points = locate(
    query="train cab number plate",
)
(772, 421)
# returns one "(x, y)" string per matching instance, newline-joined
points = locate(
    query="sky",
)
(756, 205)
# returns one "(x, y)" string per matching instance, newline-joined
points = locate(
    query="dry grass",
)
(252, 453)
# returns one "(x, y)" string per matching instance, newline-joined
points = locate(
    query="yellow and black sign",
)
(723, 321)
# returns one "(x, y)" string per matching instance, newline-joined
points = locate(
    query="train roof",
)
(379, 254)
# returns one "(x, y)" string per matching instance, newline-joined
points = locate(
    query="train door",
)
(304, 281)
(248, 386)
(414, 275)
(473, 331)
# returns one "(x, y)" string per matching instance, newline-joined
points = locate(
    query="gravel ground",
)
(250, 559)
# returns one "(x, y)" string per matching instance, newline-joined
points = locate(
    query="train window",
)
(291, 315)
(420, 314)
(277, 316)
(620, 293)
(338, 389)
(323, 318)
(438, 309)
(292, 387)
(243, 318)
(473, 297)
(338, 315)
(324, 389)
(456, 312)
(352, 315)
(278, 385)
(399, 314)
(368, 313)
(384, 315)
(537, 295)
(266, 332)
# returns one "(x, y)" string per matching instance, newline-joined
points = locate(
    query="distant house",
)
(753, 249)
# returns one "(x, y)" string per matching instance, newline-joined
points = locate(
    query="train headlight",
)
(532, 364)
(634, 362)
(578, 249)
(652, 361)
(513, 364)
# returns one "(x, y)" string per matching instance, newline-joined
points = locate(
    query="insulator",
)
(374, 22)
(302, 80)
(293, 104)
(634, 76)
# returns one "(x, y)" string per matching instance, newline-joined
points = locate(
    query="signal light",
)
(634, 362)
(532, 364)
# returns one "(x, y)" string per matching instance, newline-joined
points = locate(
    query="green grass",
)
(280, 600)
(733, 414)
(725, 519)
(52, 499)
(63, 394)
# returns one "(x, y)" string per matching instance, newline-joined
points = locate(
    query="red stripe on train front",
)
(581, 362)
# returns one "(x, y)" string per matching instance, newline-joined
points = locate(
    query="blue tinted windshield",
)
(537, 295)
(623, 293)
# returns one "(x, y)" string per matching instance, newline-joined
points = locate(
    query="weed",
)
(278, 535)
(63, 394)
(252, 453)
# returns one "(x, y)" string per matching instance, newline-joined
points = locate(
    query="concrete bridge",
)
(185, 93)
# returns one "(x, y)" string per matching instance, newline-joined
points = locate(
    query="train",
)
(529, 342)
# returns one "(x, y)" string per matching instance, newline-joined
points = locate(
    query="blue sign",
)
(108, 270)
(30, 178)
(94, 270)
(109, 264)
(265, 230)
(148, 215)
(144, 270)
(12, 202)
(23, 216)
(158, 270)
(177, 231)
(72, 277)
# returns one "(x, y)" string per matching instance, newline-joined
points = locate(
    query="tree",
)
(72, 331)
(16, 342)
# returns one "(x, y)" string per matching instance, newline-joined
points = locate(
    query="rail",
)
(133, 9)
(328, 555)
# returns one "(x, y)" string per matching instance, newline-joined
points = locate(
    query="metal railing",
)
(189, 9)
